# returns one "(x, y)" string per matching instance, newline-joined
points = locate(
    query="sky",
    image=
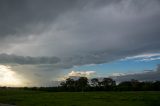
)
(42, 41)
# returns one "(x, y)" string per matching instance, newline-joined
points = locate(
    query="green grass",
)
(37, 98)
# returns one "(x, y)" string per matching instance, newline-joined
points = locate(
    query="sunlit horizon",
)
(9, 77)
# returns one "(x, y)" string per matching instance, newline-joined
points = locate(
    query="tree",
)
(94, 82)
(156, 85)
(70, 83)
(147, 86)
(108, 83)
(135, 84)
(125, 86)
(63, 84)
(82, 83)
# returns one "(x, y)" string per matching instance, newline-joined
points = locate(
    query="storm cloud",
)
(147, 75)
(96, 30)
(67, 33)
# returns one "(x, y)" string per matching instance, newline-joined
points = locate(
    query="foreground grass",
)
(36, 98)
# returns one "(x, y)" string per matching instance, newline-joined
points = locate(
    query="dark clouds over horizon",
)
(77, 32)
(147, 75)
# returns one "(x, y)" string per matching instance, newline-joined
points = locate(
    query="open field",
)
(37, 98)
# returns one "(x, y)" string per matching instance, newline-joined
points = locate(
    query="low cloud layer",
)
(13, 59)
(148, 75)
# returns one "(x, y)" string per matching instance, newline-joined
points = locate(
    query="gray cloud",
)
(78, 27)
(103, 33)
(37, 75)
(21, 17)
(13, 59)
(148, 75)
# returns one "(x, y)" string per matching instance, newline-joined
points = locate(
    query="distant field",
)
(36, 98)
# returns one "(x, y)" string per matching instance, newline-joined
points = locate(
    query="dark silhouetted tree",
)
(156, 85)
(125, 86)
(94, 82)
(82, 83)
(70, 84)
(108, 83)
(135, 84)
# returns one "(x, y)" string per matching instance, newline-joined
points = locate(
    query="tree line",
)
(107, 84)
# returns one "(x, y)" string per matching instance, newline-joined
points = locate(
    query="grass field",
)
(37, 98)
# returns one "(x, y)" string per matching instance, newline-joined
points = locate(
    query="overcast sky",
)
(44, 40)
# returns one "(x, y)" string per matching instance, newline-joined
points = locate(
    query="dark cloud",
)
(75, 28)
(13, 59)
(23, 17)
(148, 75)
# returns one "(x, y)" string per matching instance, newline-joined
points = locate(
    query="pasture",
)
(21, 97)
